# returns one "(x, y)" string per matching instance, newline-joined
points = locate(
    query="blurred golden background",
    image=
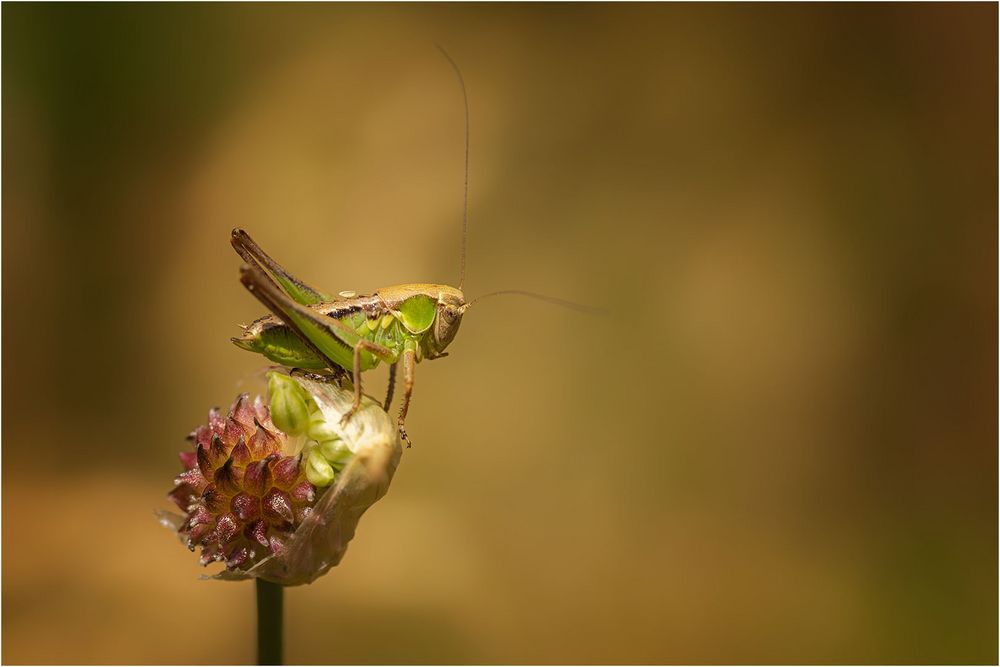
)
(779, 446)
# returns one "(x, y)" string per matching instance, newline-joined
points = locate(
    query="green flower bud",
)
(318, 471)
(322, 429)
(335, 452)
(289, 404)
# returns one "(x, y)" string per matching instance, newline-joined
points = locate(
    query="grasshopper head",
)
(451, 306)
(434, 312)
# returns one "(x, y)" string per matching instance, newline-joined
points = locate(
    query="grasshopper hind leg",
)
(253, 254)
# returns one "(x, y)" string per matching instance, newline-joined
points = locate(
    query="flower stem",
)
(270, 601)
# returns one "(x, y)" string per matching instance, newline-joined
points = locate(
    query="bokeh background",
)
(780, 445)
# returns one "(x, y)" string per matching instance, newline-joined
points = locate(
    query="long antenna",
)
(465, 203)
(590, 310)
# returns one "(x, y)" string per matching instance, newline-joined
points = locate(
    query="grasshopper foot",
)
(404, 437)
(347, 416)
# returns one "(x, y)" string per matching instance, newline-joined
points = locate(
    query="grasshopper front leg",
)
(409, 364)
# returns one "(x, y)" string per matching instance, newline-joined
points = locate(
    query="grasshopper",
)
(349, 334)
(399, 325)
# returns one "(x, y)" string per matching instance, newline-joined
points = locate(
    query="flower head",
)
(242, 493)
(280, 505)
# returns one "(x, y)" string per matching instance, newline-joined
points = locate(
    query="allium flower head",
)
(278, 504)
(242, 494)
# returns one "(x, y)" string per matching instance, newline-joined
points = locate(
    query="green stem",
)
(269, 622)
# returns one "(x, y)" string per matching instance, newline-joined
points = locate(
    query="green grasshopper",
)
(399, 325)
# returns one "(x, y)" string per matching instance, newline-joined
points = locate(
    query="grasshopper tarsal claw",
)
(346, 417)
(405, 438)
